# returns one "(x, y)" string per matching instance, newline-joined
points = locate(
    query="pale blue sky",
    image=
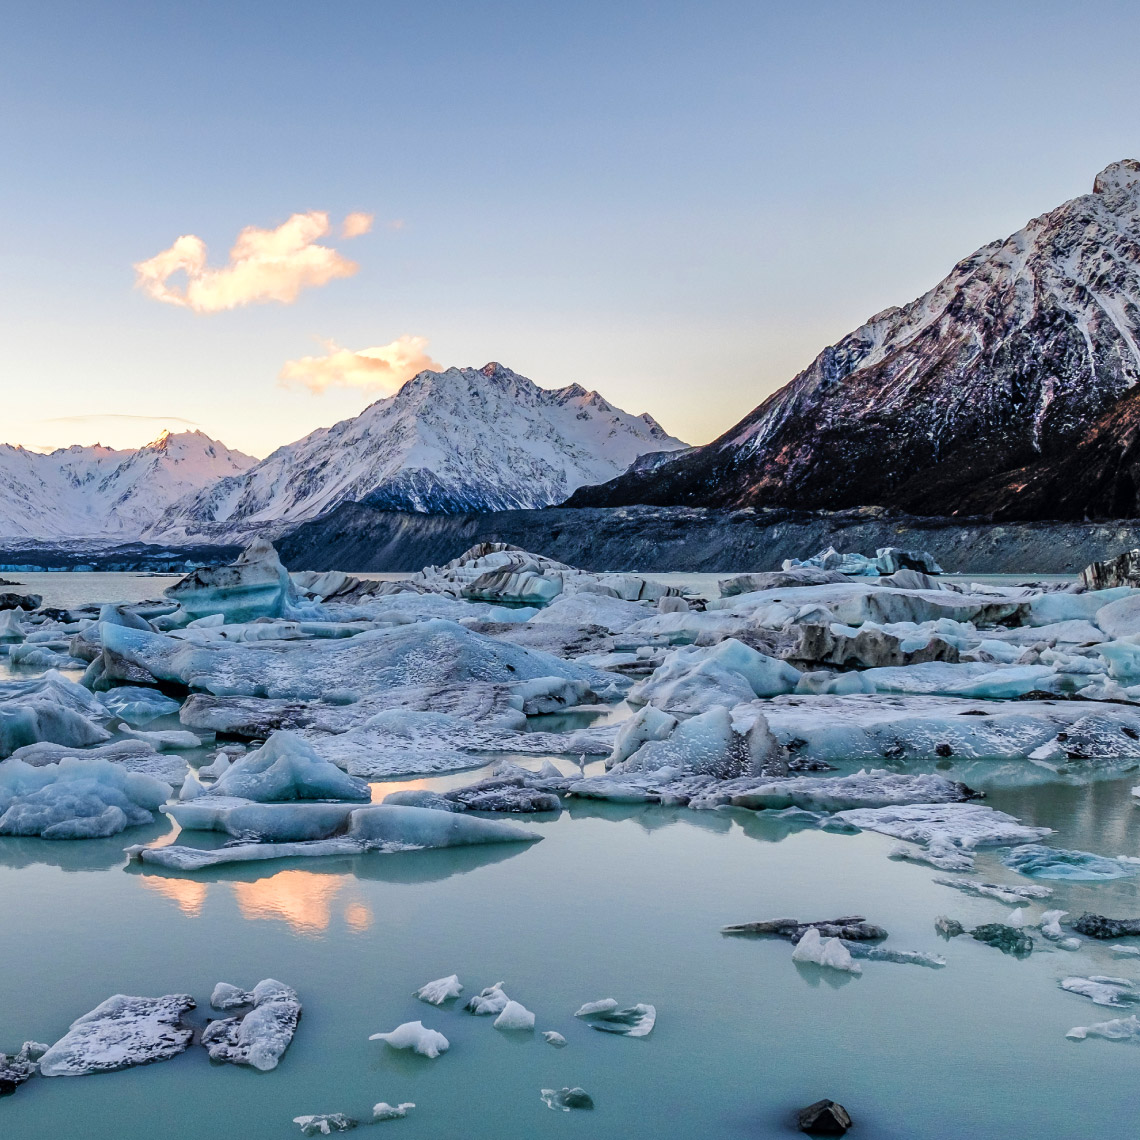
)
(678, 204)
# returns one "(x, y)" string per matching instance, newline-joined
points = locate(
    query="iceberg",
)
(75, 798)
(862, 789)
(437, 992)
(514, 1016)
(605, 1016)
(811, 948)
(385, 1111)
(1118, 1029)
(325, 1124)
(138, 705)
(121, 1032)
(553, 1038)
(260, 1038)
(49, 709)
(383, 828)
(566, 1098)
(488, 1001)
(999, 891)
(285, 768)
(412, 1035)
(256, 585)
(1101, 990)
(1038, 862)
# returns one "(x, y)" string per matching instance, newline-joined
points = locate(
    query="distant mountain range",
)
(1009, 388)
(447, 442)
(98, 492)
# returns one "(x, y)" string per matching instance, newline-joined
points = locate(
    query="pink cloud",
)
(356, 224)
(264, 265)
(385, 368)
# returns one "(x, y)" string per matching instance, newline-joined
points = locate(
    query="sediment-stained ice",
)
(999, 891)
(121, 1032)
(259, 1038)
(255, 585)
(412, 1035)
(838, 793)
(325, 1123)
(437, 992)
(488, 1001)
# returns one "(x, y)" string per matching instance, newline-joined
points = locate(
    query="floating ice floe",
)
(259, 1038)
(567, 1098)
(1118, 1029)
(384, 828)
(52, 709)
(488, 1001)
(514, 1016)
(839, 793)
(121, 1032)
(999, 891)
(128, 755)
(850, 928)
(75, 799)
(412, 1035)
(888, 954)
(285, 768)
(1008, 939)
(437, 992)
(1038, 862)
(1125, 951)
(813, 949)
(1101, 990)
(385, 1111)
(171, 740)
(16, 1068)
(325, 1124)
(137, 704)
(1097, 926)
(254, 586)
(605, 1016)
(551, 1037)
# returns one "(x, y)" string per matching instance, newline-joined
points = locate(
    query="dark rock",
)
(824, 1118)
(1097, 926)
(948, 927)
(868, 649)
(20, 601)
(853, 926)
(1123, 570)
(1008, 939)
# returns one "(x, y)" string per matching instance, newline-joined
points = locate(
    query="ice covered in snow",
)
(412, 1035)
(383, 828)
(385, 1111)
(437, 992)
(1040, 862)
(488, 1001)
(287, 767)
(325, 1123)
(259, 1038)
(697, 679)
(514, 1016)
(831, 952)
(551, 1037)
(120, 1032)
(75, 798)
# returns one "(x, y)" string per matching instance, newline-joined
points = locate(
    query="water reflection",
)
(75, 855)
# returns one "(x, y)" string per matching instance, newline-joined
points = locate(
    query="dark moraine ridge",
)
(358, 538)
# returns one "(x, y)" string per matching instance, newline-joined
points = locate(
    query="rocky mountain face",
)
(993, 379)
(99, 492)
(461, 440)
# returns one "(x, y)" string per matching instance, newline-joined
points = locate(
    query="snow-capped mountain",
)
(465, 439)
(1012, 357)
(98, 492)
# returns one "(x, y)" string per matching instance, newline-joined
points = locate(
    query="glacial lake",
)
(623, 902)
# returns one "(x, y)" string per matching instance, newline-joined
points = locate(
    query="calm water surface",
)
(614, 902)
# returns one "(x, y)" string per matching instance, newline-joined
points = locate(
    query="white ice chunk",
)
(386, 1111)
(1118, 1029)
(824, 952)
(412, 1035)
(137, 704)
(287, 767)
(488, 1001)
(514, 1016)
(555, 1039)
(437, 992)
(1102, 990)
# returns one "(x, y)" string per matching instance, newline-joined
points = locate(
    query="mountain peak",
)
(1123, 175)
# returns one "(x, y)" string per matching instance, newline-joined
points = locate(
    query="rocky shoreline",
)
(361, 539)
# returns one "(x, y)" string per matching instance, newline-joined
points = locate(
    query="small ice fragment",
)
(1118, 1029)
(1125, 951)
(948, 927)
(830, 953)
(226, 996)
(441, 990)
(325, 1123)
(218, 767)
(1019, 917)
(514, 1016)
(490, 1000)
(566, 1099)
(1101, 990)
(386, 1111)
(555, 1039)
(634, 1021)
(261, 1037)
(413, 1035)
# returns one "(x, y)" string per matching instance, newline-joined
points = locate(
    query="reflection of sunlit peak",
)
(303, 899)
(358, 916)
(187, 893)
(379, 791)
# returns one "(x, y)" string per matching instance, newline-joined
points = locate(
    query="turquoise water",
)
(614, 902)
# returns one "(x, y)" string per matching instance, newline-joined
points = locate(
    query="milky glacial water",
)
(623, 902)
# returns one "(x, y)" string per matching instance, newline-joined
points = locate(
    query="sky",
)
(254, 219)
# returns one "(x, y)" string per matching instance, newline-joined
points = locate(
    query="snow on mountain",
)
(465, 439)
(1011, 357)
(98, 492)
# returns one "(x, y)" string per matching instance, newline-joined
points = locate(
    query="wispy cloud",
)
(356, 224)
(264, 265)
(98, 417)
(385, 368)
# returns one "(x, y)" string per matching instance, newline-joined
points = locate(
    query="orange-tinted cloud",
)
(264, 265)
(385, 368)
(356, 224)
